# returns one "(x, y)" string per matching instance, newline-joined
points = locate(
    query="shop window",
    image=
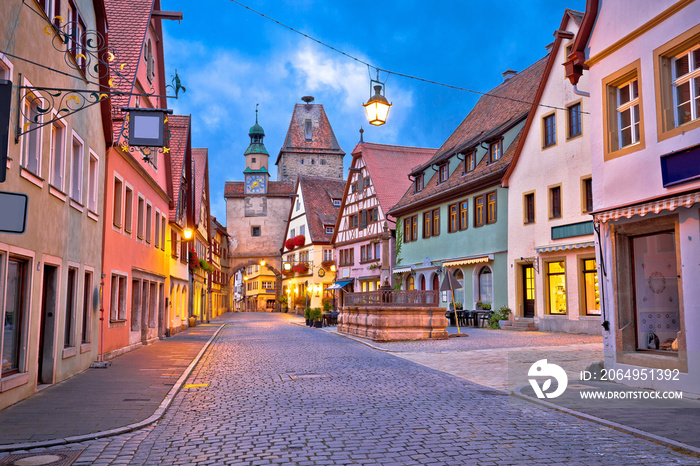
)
(14, 320)
(556, 287)
(656, 294)
(591, 295)
(485, 285)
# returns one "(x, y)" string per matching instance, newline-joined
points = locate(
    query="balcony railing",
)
(394, 298)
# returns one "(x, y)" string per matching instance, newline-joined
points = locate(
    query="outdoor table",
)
(450, 318)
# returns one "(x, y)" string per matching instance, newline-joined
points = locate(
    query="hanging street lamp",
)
(377, 107)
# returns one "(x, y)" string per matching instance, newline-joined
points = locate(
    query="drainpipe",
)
(580, 92)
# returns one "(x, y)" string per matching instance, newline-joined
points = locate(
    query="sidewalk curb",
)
(157, 414)
(613, 425)
(349, 337)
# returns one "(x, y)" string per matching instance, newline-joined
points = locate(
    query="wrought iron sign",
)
(146, 131)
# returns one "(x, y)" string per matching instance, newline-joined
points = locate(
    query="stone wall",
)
(328, 165)
(394, 323)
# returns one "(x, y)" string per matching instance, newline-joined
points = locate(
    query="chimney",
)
(507, 74)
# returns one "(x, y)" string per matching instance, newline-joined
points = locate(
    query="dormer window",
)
(443, 172)
(470, 162)
(329, 230)
(496, 150)
(336, 202)
(307, 130)
(419, 183)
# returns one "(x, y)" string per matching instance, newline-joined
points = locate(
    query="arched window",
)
(485, 285)
(436, 282)
(411, 282)
(459, 293)
(422, 282)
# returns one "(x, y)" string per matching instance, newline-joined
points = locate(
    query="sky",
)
(230, 59)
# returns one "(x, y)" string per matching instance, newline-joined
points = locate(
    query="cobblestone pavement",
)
(285, 394)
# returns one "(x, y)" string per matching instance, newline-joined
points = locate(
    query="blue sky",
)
(229, 59)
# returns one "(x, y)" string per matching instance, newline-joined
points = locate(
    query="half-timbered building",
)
(378, 177)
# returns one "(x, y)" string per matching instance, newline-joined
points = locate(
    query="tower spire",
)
(256, 113)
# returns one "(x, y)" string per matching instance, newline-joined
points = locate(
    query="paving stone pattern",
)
(363, 407)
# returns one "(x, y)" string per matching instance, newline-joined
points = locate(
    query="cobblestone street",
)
(280, 393)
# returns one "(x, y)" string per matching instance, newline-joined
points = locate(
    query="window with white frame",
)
(31, 139)
(76, 170)
(117, 210)
(118, 298)
(149, 222)
(496, 150)
(686, 85)
(86, 322)
(128, 208)
(58, 154)
(628, 113)
(71, 308)
(93, 173)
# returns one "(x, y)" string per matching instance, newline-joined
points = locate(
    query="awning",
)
(669, 203)
(402, 269)
(340, 284)
(563, 247)
(468, 261)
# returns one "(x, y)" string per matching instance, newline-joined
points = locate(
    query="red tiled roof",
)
(322, 137)
(318, 194)
(389, 166)
(494, 114)
(199, 162)
(235, 189)
(504, 103)
(179, 126)
(128, 23)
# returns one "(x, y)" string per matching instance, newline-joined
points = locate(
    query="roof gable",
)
(389, 167)
(318, 194)
(322, 139)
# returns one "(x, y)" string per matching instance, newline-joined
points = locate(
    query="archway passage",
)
(278, 281)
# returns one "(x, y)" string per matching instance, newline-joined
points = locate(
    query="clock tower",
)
(256, 161)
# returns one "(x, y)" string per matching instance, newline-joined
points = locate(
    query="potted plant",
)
(498, 318)
(327, 264)
(307, 316)
(317, 315)
(289, 244)
(485, 306)
(283, 303)
(376, 265)
(458, 306)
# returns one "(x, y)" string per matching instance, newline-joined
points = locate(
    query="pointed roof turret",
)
(257, 134)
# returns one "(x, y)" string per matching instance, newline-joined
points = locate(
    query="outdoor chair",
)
(484, 318)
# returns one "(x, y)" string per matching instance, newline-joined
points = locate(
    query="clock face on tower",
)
(255, 184)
